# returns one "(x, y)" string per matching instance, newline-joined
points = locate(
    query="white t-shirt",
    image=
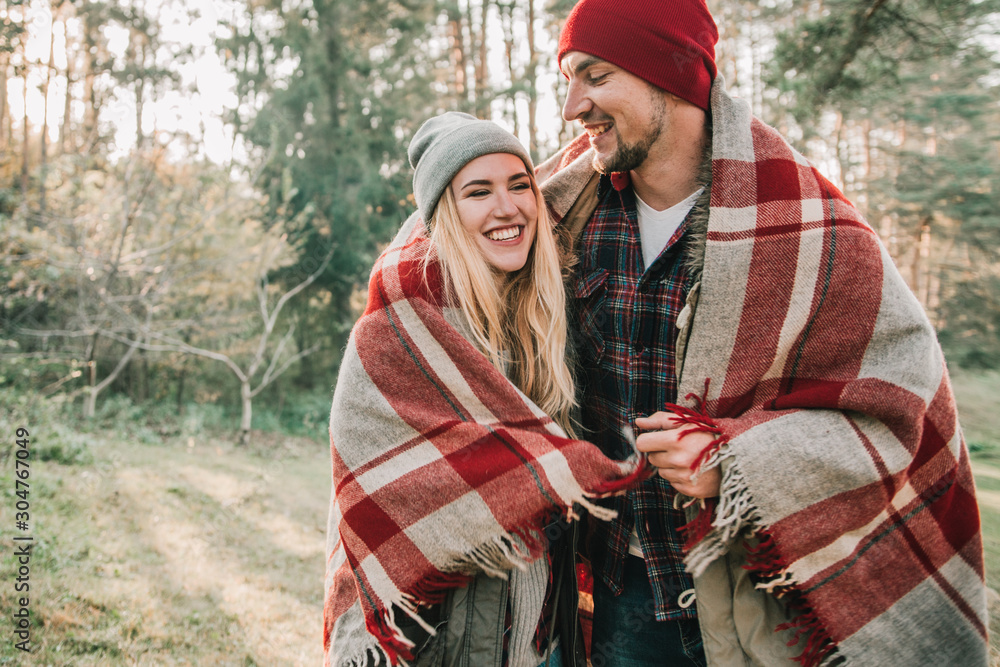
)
(656, 227)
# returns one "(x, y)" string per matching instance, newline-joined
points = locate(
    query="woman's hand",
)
(672, 449)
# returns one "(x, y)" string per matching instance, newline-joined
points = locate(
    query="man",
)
(736, 310)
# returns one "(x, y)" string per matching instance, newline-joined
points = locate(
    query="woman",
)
(447, 466)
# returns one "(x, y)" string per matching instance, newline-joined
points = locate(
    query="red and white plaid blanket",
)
(821, 377)
(441, 468)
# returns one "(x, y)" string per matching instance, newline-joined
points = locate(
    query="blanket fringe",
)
(765, 560)
(635, 469)
(376, 654)
(733, 513)
(502, 553)
(392, 643)
(703, 423)
(717, 522)
(494, 557)
(818, 647)
(698, 528)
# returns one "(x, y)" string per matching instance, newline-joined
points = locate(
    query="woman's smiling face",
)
(497, 206)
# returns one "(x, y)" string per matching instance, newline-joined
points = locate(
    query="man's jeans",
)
(627, 634)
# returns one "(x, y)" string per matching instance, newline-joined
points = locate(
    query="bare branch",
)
(291, 360)
(64, 333)
(50, 389)
(269, 321)
(163, 247)
(174, 345)
(277, 354)
(305, 283)
(96, 389)
(42, 357)
(262, 296)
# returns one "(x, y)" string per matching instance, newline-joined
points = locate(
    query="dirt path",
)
(180, 555)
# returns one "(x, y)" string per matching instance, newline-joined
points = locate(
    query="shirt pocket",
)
(590, 298)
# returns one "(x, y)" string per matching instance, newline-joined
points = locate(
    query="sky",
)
(208, 87)
(197, 112)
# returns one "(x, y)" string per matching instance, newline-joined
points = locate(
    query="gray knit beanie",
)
(446, 143)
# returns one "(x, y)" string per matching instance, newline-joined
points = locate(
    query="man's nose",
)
(577, 103)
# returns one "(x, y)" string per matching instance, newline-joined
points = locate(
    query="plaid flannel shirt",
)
(625, 321)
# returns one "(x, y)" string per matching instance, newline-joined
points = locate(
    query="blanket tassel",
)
(764, 560)
(818, 646)
(703, 423)
(641, 471)
(698, 528)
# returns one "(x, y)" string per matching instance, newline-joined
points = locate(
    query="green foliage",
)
(335, 132)
(915, 81)
(970, 334)
(978, 396)
(297, 413)
(26, 409)
(854, 51)
(65, 446)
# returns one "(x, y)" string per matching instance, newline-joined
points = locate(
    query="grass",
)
(190, 552)
(170, 546)
(978, 397)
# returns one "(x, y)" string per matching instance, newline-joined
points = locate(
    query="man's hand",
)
(673, 455)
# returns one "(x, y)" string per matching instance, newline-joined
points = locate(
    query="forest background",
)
(171, 287)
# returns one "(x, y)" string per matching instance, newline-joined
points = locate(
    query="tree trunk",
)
(138, 54)
(44, 138)
(180, 387)
(90, 113)
(27, 134)
(143, 384)
(482, 67)
(457, 35)
(4, 108)
(531, 75)
(247, 415)
(90, 404)
(921, 257)
(65, 131)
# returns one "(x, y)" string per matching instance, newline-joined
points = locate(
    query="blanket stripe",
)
(442, 468)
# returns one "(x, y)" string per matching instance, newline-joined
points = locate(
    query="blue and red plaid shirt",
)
(625, 320)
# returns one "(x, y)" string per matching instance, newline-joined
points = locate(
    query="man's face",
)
(624, 116)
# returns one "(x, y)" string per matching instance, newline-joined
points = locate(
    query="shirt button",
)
(639, 348)
(644, 288)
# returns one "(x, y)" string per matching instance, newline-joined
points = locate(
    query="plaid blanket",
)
(819, 375)
(442, 469)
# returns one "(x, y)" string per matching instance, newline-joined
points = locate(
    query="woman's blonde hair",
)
(520, 322)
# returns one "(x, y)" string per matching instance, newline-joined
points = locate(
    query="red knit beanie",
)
(669, 43)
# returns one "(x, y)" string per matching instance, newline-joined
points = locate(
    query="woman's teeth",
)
(504, 234)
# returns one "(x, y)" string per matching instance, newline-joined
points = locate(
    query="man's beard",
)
(627, 157)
